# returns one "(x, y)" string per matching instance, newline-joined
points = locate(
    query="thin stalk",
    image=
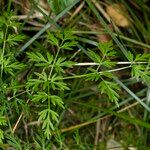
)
(55, 59)
(101, 61)
(49, 103)
(117, 63)
(54, 62)
(101, 72)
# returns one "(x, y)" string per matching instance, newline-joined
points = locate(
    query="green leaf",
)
(107, 49)
(2, 123)
(42, 80)
(142, 57)
(69, 45)
(49, 57)
(62, 63)
(1, 136)
(94, 76)
(36, 57)
(10, 66)
(40, 96)
(40, 60)
(1, 36)
(6, 19)
(47, 126)
(19, 105)
(56, 100)
(47, 116)
(68, 64)
(69, 35)
(52, 39)
(138, 58)
(95, 57)
(107, 74)
(58, 64)
(63, 39)
(140, 72)
(57, 83)
(14, 141)
(34, 83)
(14, 39)
(130, 56)
(54, 115)
(108, 63)
(42, 76)
(110, 89)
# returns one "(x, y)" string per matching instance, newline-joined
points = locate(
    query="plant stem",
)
(54, 63)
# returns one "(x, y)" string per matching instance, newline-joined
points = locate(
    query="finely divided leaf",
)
(95, 57)
(110, 89)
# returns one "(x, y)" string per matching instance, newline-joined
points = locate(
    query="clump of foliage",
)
(10, 67)
(48, 82)
(64, 79)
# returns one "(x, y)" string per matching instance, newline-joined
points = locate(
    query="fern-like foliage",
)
(105, 78)
(9, 66)
(2, 123)
(140, 71)
(48, 81)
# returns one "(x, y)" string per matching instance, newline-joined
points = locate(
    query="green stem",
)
(101, 72)
(54, 63)
(101, 62)
(49, 103)
(52, 71)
